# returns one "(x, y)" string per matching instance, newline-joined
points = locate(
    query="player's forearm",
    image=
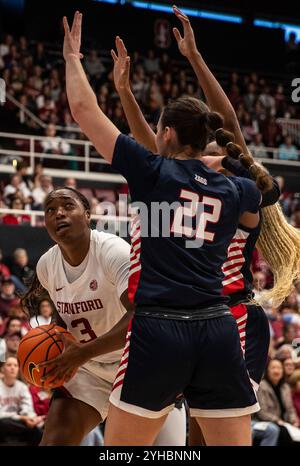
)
(138, 125)
(86, 112)
(216, 98)
(111, 341)
(79, 92)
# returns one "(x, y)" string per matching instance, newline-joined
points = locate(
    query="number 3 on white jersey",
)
(196, 207)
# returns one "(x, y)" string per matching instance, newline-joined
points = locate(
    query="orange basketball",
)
(39, 345)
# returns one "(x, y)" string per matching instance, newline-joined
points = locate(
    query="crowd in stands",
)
(36, 77)
(23, 408)
(28, 192)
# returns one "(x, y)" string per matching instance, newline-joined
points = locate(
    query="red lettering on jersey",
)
(91, 305)
(84, 306)
(77, 307)
(98, 304)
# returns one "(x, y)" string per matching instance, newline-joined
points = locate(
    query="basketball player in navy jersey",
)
(182, 332)
(237, 284)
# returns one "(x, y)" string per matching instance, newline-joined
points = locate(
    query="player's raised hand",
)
(72, 40)
(121, 65)
(186, 44)
(66, 364)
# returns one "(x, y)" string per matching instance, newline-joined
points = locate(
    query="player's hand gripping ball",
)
(41, 344)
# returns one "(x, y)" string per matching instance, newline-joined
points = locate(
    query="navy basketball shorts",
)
(201, 360)
(254, 331)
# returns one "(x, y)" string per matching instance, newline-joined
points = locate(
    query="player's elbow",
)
(78, 109)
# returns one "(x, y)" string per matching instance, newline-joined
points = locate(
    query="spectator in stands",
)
(259, 283)
(44, 313)
(250, 97)
(38, 172)
(280, 101)
(94, 66)
(41, 399)
(12, 341)
(68, 122)
(13, 325)
(21, 170)
(271, 132)
(284, 352)
(8, 297)
(39, 194)
(287, 150)
(21, 268)
(16, 202)
(267, 101)
(289, 334)
(4, 270)
(275, 399)
(17, 311)
(2, 345)
(54, 144)
(234, 95)
(37, 75)
(40, 56)
(23, 46)
(71, 183)
(249, 128)
(17, 186)
(6, 44)
(288, 368)
(258, 149)
(292, 52)
(18, 420)
(151, 63)
(296, 217)
(266, 433)
(294, 382)
(47, 112)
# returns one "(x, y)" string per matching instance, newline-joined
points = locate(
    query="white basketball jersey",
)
(90, 306)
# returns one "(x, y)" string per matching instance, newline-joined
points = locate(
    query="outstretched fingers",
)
(121, 49)
(114, 56)
(177, 34)
(66, 26)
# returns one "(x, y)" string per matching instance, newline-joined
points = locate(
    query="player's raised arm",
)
(138, 125)
(216, 98)
(82, 100)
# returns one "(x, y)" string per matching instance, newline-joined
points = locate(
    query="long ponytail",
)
(225, 139)
(279, 243)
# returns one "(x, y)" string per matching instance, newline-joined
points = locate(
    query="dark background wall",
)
(35, 240)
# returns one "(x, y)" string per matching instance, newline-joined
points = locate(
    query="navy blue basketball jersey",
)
(238, 280)
(188, 215)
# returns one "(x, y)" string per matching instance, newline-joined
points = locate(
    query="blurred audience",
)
(275, 399)
(18, 420)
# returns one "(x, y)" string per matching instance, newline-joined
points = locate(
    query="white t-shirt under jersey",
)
(89, 305)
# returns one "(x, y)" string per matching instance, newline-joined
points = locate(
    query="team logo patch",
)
(32, 368)
(93, 285)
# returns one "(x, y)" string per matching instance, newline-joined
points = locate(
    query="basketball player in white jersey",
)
(86, 276)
